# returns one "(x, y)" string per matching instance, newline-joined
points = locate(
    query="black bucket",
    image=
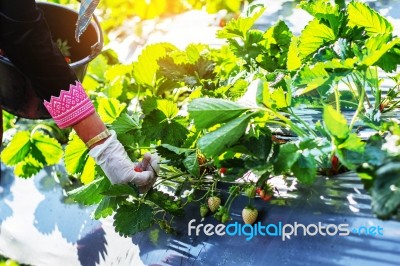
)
(16, 93)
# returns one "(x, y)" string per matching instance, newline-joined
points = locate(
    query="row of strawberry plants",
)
(212, 114)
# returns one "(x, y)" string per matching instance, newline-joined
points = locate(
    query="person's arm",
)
(27, 42)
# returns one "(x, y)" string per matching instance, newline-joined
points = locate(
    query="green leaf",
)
(293, 60)
(305, 169)
(156, 126)
(240, 26)
(98, 67)
(324, 10)
(115, 77)
(314, 35)
(192, 165)
(175, 149)
(164, 201)
(287, 156)
(146, 67)
(118, 190)
(214, 143)
(89, 171)
(75, 156)
(17, 149)
(131, 219)
(109, 109)
(125, 123)
(277, 99)
(91, 193)
(207, 112)
(105, 208)
(168, 107)
(377, 47)
(361, 15)
(310, 77)
(259, 147)
(28, 168)
(322, 75)
(386, 190)
(49, 147)
(335, 123)
(353, 143)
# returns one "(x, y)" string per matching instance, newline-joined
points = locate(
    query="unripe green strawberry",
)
(203, 210)
(213, 203)
(250, 192)
(225, 218)
(249, 215)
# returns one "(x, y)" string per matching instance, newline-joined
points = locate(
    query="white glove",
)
(118, 167)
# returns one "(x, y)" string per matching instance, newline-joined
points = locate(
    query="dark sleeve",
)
(27, 42)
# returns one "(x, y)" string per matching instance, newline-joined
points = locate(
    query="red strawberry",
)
(222, 171)
(68, 59)
(335, 164)
(138, 169)
(249, 214)
(213, 203)
(266, 197)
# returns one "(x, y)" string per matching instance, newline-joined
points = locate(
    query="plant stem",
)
(302, 122)
(360, 105)
(296, 129)
(337, 97)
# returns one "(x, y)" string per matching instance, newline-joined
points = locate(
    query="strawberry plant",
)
(231, 115)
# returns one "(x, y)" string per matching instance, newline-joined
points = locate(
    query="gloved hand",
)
(118, 167)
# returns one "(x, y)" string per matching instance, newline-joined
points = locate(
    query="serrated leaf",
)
(316, 76)
(192, 165)
(377, 47)
(105, 208)
(146, 67)
(259, 147)
(240, 26)
(305, 169)
(91, 193)
(208, 112)
(277, 99)
(214, 143)
(361, 15)
(310, 77)
(156, 126)
(89, 172)
(353, 143)
(98, 67)
(314, 35)
(287, 156)
(49, 147)
(169, 108)
(335, 123)
(17, 149)
(118, 190)
(131, 219)
(75, 155)
(125, 123)
(293, 60)
(163, 201)
(175, 149)
(386, 190)
(324, 10)
(109, 109)
(115, 77)
(28, 168)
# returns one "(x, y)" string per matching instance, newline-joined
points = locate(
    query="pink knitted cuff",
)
(70, 107)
